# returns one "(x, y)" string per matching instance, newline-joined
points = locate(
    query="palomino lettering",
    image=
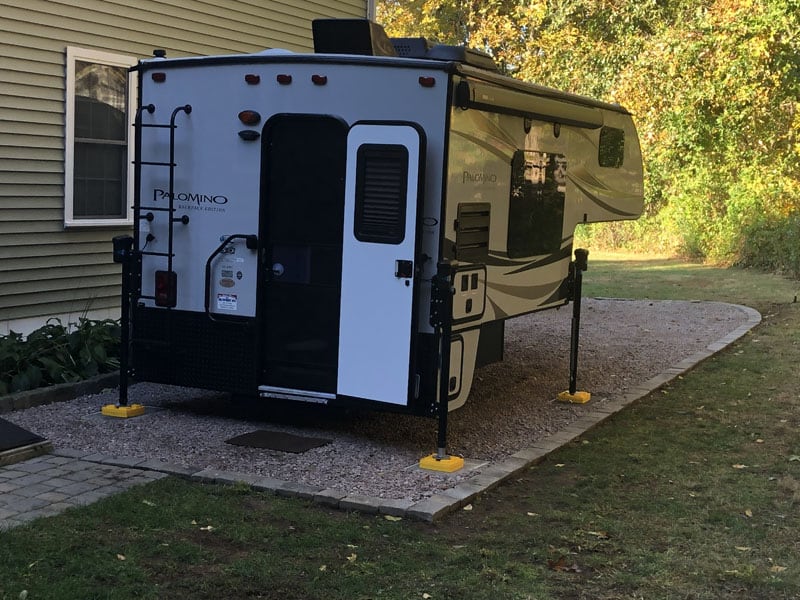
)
(478, 177)
(190, 197)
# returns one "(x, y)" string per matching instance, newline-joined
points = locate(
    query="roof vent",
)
(422, 48)
(411, 47)
(351, 36)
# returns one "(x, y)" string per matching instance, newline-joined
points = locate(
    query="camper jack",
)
(355, 226)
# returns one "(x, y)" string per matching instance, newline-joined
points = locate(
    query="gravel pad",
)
(511, 406)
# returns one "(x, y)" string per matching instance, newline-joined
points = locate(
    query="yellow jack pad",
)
(123, 412)
(576, 398)
(448, 464)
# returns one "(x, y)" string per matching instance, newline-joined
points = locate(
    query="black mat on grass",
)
(12, 436)
(277, 440)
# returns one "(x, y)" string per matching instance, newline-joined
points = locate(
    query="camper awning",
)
(482, 95)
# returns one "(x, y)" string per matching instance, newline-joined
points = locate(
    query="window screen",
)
(98, 131)
(381, 192)
(611, 149)
(101, 141)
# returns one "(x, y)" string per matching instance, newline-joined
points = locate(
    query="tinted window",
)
(536, 205)
(611, 149)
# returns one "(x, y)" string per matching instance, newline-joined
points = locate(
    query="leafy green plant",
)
(58, 353)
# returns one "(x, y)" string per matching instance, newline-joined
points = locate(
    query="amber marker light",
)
(319, 79)
(249, 117)
(284, 79)
(159, 77)
(252, 79)
(427, 81)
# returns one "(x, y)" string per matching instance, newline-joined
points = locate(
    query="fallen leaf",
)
(794, 458)
(559, 465)
(743, 548)
(352, 557)
(759, 441)
(391, 518)
(562, 565)
(598, 534)
(23, 594)
(194, 522)
(426, 596)
(532, 514)
(148, 503)
(468, 507)
(352, 546)
(748, 513)
(120, 557)
(739, 466)
(208, 528)
(777, 569)
(323, 568)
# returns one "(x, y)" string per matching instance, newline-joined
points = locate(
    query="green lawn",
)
(691, 493)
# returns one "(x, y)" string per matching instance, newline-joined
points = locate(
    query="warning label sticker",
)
(227, 302)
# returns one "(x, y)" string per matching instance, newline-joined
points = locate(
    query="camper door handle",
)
(404, 269)
(277, 269)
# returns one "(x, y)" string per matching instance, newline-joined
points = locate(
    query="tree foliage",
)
(714, 86)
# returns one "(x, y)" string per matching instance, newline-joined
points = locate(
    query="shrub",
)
(57, 353)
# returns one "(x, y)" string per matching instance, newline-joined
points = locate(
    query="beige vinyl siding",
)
(46, 270)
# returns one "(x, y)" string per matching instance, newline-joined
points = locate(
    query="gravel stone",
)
(624, 344)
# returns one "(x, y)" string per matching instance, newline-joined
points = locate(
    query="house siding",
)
(45, 269)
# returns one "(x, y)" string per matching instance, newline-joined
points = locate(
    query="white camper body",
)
(292, 210)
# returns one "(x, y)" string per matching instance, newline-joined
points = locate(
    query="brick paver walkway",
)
(47, 485)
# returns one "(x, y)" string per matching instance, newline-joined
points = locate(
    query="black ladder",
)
(171, 164)
(126, 249)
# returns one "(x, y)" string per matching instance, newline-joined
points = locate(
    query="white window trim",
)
(106, 58)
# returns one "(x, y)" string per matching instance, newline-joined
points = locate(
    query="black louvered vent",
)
(381, 186)
(472, 232)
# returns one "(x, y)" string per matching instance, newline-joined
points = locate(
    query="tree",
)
(713, 85)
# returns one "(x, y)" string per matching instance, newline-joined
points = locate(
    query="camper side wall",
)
(516, 189)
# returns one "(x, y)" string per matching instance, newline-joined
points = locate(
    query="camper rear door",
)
(384, 163)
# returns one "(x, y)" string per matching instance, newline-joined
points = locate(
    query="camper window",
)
(381, 182)
(611, 148)
(536, 205)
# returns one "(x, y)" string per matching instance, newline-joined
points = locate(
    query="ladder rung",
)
(157, 125)
(158, 208)
(157, 254)
(155, 163)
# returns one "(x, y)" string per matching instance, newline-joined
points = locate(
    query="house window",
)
(98, 175)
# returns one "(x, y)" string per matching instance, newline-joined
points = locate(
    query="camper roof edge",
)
(453, 68)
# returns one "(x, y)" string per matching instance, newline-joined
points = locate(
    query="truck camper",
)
(355, 225)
